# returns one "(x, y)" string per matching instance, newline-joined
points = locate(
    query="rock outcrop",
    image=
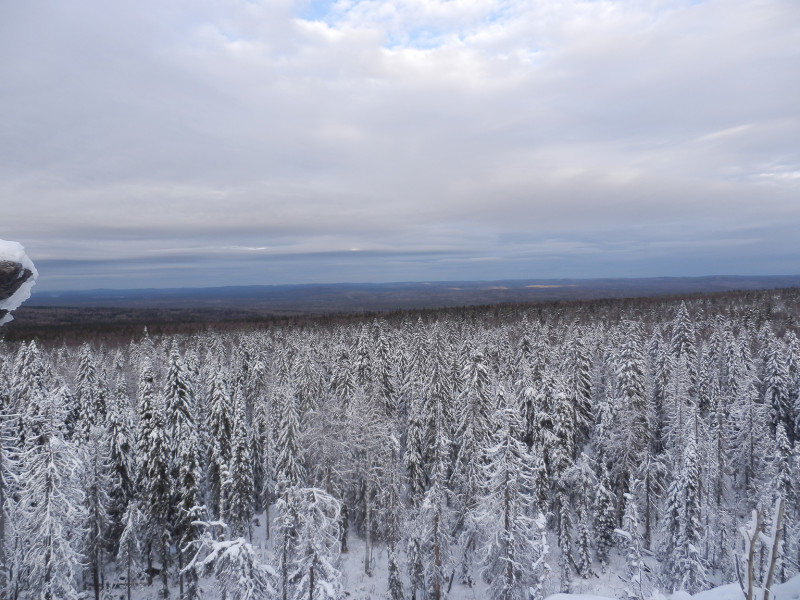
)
(12, 277)
(17, 276)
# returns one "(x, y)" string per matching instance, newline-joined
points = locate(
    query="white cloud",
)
(393, 125)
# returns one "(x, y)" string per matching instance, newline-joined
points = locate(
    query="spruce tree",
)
(632, 545)
(220, 432)
(473, 435)
(289, 471)
(97, 482)
(605, 515)
(683, 566)
(51, 516)
(154, 481)
(515, 549)
(239, 486)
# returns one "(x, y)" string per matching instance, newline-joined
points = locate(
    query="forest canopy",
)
(516, 449)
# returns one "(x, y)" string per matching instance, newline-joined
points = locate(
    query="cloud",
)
(399, 127)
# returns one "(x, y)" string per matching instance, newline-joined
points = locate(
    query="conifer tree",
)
(577, 366)
(435, 514)
(239, 487)
(605, 515)
(473, 433)
(97, 480)
(129, 547)
(237, 568)
(632, 544)
(178, 401)
(582, 482)
(220, 431)
(778, 396)
(86, 393)
(289, 471)
(309, 544)
(186, 495)
(413, 458)
(50, 515)
(122, 454)
(515, 552)
(683, 566)
(632, 432)
(9, 473)
(154, 479)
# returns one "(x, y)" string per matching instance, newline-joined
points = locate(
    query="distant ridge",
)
(358, 297)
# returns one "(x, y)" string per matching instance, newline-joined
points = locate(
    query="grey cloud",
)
(397, 127)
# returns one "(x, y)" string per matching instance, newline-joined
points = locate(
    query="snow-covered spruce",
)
(445, 455)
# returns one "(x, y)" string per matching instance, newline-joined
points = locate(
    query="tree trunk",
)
(128, 576)
(3, 564)
(647, 531)
(367, 530)
(180, 573)
(777, 532)
(149, 564)
(164, 577)
(96, 573)
(437, 559)
(509, 576)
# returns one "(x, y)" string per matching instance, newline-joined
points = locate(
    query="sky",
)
(185, 143)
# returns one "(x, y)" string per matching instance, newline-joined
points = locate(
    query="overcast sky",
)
(211, 142)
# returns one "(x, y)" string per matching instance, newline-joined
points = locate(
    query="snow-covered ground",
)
(789, 590)
(360, 586)
(14, 252)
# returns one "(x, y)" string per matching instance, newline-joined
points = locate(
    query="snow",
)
(789, 590)
(577, 597)
(14, 252)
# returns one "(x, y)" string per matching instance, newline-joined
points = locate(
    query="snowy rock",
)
(17, 277)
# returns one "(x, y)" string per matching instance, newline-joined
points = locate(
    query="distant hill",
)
(365, 297)
(116, 316)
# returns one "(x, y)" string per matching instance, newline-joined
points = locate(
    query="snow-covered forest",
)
(506, 452)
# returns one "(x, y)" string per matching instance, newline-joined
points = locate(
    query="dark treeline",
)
(513, 447)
